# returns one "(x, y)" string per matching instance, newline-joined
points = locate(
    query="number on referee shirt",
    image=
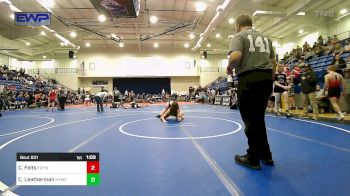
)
(259, 42)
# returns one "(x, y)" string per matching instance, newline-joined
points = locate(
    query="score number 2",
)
(259, 42)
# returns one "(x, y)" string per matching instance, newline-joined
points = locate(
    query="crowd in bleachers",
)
(18, 88)
(325, 57)
(222, 86)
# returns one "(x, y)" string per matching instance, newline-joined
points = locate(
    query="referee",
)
(253, 58)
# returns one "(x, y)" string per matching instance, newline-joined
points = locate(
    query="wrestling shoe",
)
(288, 114)
(340, 117)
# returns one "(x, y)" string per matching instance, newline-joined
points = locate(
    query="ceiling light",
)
(343, 11)
(47, 3)
(73, 34)
(200, 6)
(275, 44)
(87, 44)
(43, 33)
(301, 14)
(78, 47)
(208, 45)
(62, 44)
(231, 20)
(153, 19)
(203, 56)
(301, 31)
(102, 18)
(75, 56)
(28, 44)
(44, 57)
(156, 45)
(218, 35)
(121, 44)
(12, 16)
(191, 36)
(259, 12)
(186, 45)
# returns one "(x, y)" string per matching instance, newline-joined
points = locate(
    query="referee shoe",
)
(244, 161)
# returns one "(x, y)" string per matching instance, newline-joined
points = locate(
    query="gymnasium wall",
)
(170, 64)
(180, 84)
(341, 28)
(87, 83)
(4, 59)
(213, 61)
(136, 64)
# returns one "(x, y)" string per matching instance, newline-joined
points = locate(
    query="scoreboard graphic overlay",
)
(58, 169)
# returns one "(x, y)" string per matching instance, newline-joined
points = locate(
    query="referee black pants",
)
(254, 89)
(62, 102)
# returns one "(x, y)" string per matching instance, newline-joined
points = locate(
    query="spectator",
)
(338, 49)
(308, 80)
(20, 101)
(346, 90)
(339, 63)
(280, 90)
(332, 87)
(347, 46)
(291, 94)
(321, 99)
(335, 39)
(320, 40)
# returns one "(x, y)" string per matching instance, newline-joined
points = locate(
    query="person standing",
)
(62, 97)
(52, 97)
(332, 87)
(280, 91)
(253, 58)
(116, 95)
(99, 98)
(308, 80)
(347, 89)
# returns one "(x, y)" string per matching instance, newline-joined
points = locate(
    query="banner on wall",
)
(100, 86)
(226, 100)
(218, 100)
(118, 8)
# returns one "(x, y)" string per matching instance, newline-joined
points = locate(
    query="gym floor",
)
(139, 155)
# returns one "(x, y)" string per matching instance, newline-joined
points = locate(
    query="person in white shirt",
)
(99, 97)
(347, 46)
